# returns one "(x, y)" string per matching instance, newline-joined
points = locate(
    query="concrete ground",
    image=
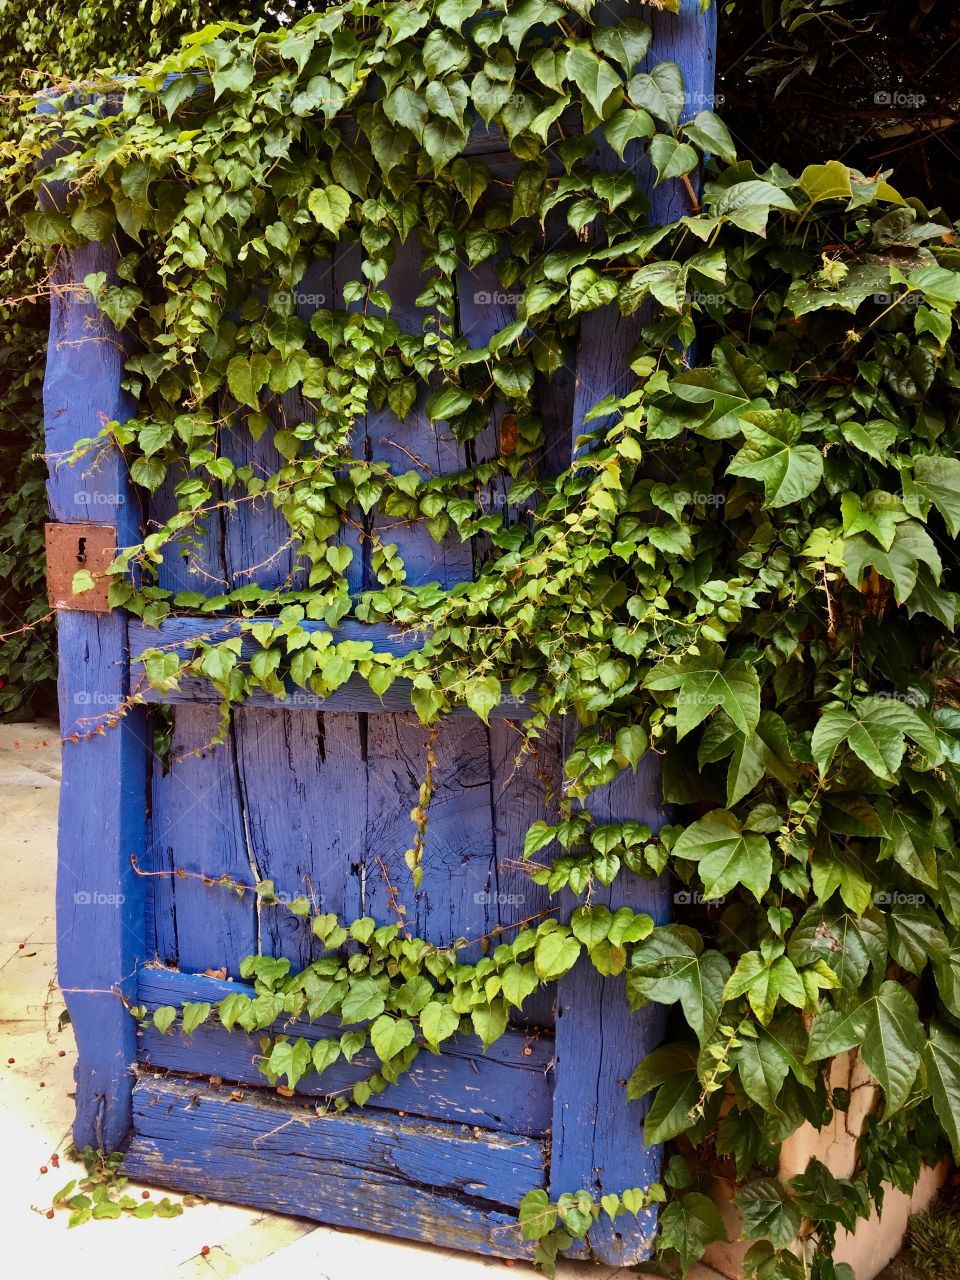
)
(36, 1107)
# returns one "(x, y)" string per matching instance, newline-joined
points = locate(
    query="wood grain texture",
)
(193, 561)
(425, 1182)
(484, 307)
(198, 826)
(454, 901)
(507, 1088)
(258, 544)
(100, 926)
(303, 780)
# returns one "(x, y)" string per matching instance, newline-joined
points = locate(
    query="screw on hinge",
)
(82, 551)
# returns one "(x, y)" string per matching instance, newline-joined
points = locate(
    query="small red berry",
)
(204, 1251)
(144, 1195)
(55, 1160)
(49, 1213)
(61, 1053)
(43, 1168)
(11, 1061)
(21, 945)
(42, 1086)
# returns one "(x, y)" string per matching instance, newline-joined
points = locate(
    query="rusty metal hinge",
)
(70, 548)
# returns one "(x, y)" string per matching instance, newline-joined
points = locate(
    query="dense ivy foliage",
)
(750, 570)
(43, 44)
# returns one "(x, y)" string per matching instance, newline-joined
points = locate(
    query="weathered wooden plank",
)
(689, 39)
(100, 902)
(303, 782)
(258, 544)
(100, 928)
(508, 1087)
(197, 826)
(484, 307)
(526, 787)
(597, 1134)
(192, 561)
(415, 444)
(408, 1179)
(160, 912)
(454, 900)
(499, 1168)
(184, 631)
(607, 338)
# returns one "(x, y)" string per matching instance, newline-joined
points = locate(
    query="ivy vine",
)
(749, 569)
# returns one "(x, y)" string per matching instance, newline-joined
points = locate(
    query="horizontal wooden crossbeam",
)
(506, 1089)
(183, 635)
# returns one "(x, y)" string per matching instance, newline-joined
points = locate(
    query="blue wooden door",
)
(316, 798)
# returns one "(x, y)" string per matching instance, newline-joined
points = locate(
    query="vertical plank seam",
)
(245, 827)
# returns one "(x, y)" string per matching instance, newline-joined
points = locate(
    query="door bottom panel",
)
(441, 1183)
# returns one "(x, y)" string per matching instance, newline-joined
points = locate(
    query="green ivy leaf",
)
(482, 695)
(942, 1063)
(705, 682)
(164, 1018)
(438, 1022)
(661, 92)
(665, 968)
(671, 158)
(765, 984)
(330, 206)
(711, 135)
(589, 291)
(671, 1111)
(887, 1027)
(194, 1014)
(324, 1054)
(591, 924)
(689, 1225)
(245, 376)
(537, 1216)
(290, 1058)
(594, 77)
(389, 1036)
(625, 43)
(447, 404)
(555, 954)
(768, 1211)
(788, 471)
(489, 1022)
(625, 126)
(362, 1002)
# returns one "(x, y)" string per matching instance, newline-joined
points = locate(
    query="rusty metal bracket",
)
(70, 548)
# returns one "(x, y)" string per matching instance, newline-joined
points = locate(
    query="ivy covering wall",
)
(750, 570)
(40, 45)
